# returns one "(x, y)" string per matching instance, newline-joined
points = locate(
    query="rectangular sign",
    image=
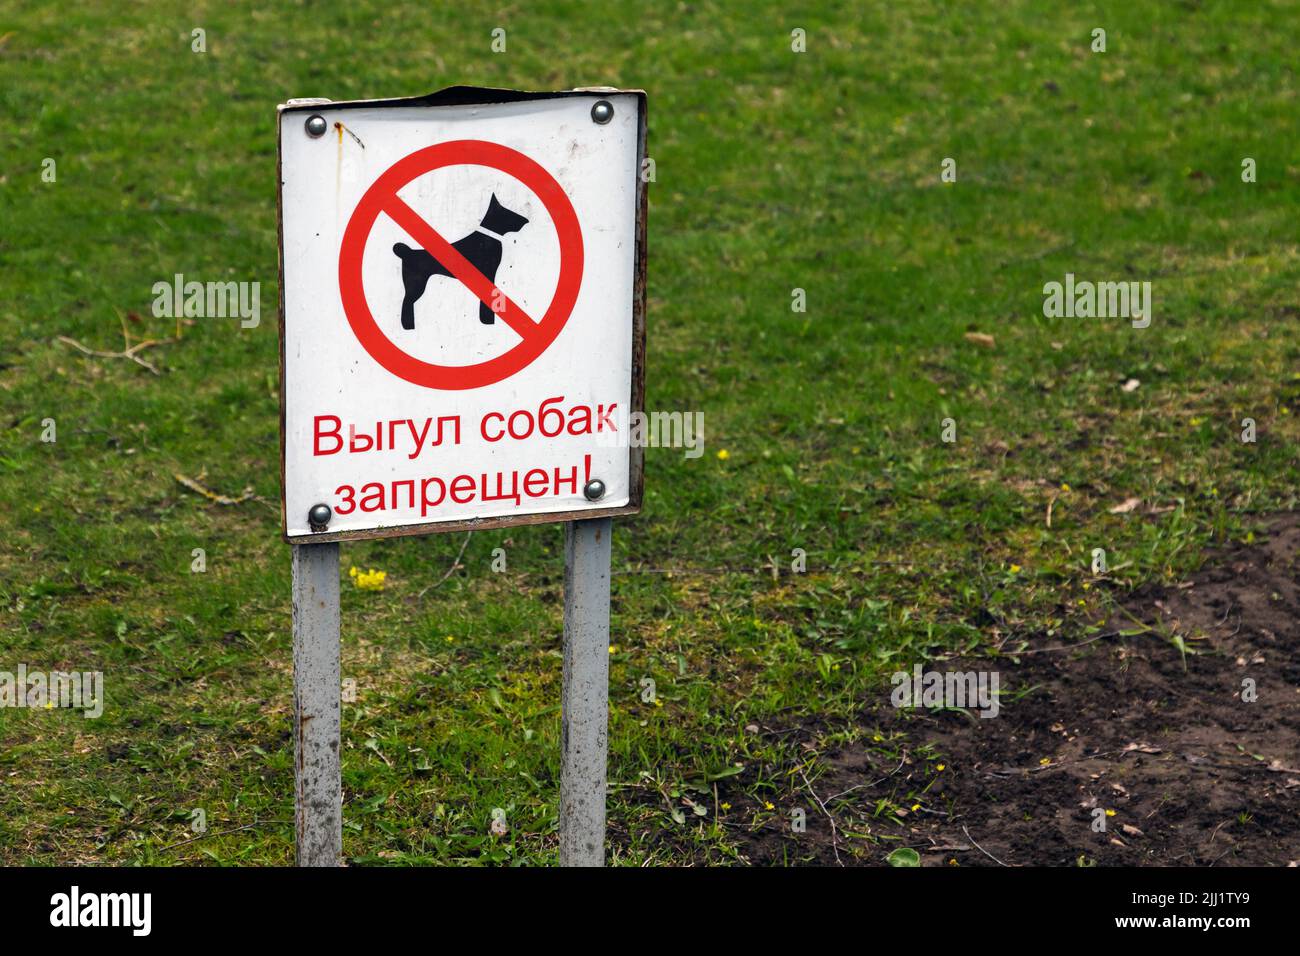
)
(462, 312)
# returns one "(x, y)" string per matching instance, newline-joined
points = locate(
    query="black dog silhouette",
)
(482, 248)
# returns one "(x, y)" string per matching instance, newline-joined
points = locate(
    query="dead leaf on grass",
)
(1140, 748)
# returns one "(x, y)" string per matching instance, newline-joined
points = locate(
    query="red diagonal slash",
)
(460, 267)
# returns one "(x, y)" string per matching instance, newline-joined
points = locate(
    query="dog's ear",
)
(502, 220)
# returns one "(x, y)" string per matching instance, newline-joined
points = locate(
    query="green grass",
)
(775, 171)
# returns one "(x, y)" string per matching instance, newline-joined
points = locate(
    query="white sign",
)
(462, 312)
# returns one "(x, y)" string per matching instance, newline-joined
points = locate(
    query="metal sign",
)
(462, 310)
(431, 384)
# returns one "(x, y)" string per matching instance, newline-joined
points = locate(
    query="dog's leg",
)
(487, 261)
(417, 267)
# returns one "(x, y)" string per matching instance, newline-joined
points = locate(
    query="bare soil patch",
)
(1191, 774)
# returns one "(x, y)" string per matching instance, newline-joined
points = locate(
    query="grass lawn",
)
(776, 171)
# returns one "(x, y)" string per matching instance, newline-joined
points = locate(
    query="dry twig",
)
(980, 848)
(835, 832)
(451, 570)
(194, 486)
(129, 353)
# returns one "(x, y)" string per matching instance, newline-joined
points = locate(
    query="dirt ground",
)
(1188, 773)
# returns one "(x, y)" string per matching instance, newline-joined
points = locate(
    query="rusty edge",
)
(465, 96)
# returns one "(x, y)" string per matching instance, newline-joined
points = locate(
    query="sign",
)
(462, 310)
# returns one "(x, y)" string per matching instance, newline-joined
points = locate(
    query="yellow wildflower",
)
(370, 580)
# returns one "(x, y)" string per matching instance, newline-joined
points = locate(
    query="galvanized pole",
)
(584, 734)
(318, 785)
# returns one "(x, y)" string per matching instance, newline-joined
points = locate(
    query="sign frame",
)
(481, 96)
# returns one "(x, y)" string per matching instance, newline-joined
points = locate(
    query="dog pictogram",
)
(481, 248)
(381, 199)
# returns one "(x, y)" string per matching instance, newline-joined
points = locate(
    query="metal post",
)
(584, 739)
(318, 785)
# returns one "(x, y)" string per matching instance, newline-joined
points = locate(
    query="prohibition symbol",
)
(382, 197)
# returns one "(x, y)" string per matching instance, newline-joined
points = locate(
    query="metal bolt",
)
(595, 490)
(602, 112)
(319, 517)
(316, 126)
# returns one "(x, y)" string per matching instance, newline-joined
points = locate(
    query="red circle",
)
(455, 153)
